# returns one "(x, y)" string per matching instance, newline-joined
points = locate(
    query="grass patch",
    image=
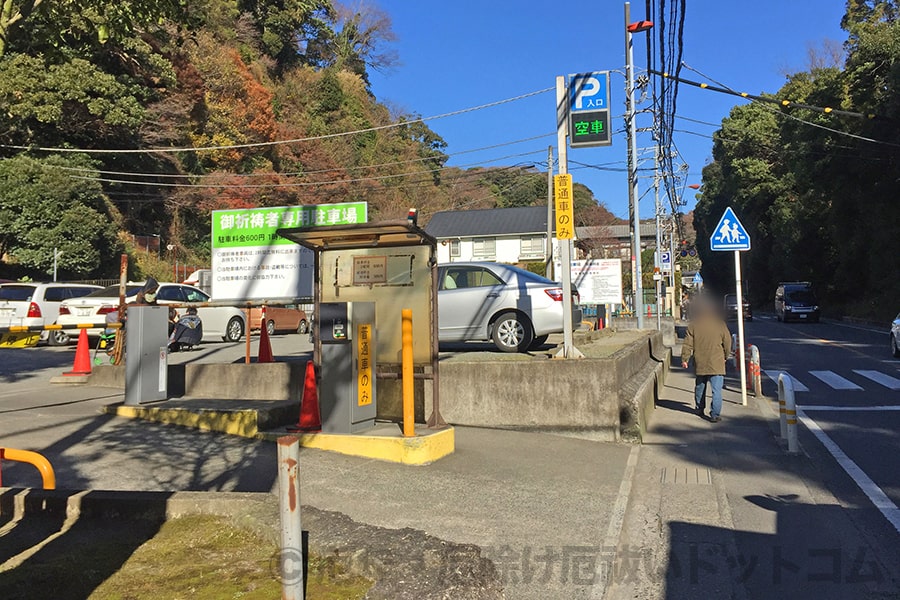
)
(197, 557)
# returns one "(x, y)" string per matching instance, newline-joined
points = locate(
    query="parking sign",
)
(589, 123)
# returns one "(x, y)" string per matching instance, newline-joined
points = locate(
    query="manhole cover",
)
(686, 476)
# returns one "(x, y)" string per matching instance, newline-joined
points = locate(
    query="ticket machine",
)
(346, 331)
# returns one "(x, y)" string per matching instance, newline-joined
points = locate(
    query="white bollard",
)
(755, 371)
(787, 407)
(291, 559)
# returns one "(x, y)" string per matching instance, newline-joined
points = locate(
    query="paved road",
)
(848, 387)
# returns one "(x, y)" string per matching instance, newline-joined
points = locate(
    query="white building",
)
(505, 235)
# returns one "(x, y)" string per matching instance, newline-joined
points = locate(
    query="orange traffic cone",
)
(265, 346)
(82, 364)
(310, 421)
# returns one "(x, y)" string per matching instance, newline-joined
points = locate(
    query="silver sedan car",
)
(514, 308)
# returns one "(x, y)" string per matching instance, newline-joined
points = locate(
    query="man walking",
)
(708, 341)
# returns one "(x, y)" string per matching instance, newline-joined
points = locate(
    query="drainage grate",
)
(686, 475)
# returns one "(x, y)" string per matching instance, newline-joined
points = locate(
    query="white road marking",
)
(826, 408)
(891, 383)
(865, 483)
(798, 387)
(834, 380)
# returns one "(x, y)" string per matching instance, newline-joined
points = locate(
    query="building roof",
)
(488, 222)
(615, 232)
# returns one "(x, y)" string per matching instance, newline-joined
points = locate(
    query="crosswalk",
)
(839, 382)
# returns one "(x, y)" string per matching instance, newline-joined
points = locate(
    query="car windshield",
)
(112, 291)
(20, 293)
(805, 296)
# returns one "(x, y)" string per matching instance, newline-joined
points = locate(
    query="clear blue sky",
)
(464, 53)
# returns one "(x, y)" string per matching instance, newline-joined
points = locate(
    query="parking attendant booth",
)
(393, 266)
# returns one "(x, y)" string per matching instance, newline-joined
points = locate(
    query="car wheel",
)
(538, 342)
(58, 338)
(270, 327)
(234, 331)
(512, 333)
(303, 327)
(895, 346)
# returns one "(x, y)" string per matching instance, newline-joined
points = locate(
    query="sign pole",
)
(565, 245)
(740, 320)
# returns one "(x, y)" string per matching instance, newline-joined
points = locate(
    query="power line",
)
(280, 142)
(295, 173)
(783, 102)
(790, 104)
(295, 184)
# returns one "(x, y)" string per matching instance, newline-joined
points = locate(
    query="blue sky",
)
(464, 53)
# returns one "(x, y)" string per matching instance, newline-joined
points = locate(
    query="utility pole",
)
(657, 273)
(56, 255)
(633, 198)
(565, 245)
(548, 269)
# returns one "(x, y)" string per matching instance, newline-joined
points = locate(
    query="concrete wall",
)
(668, 326)
(267, 381)
(608, 398)
(605, 398)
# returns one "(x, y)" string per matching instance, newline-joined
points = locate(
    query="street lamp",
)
(633, 198)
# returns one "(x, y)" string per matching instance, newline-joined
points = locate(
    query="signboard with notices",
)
(599, 281)
(250, 261)
(369, 270)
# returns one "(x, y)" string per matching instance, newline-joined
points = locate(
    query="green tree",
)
(43, 207)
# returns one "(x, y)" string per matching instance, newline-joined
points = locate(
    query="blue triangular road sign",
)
(729, 234)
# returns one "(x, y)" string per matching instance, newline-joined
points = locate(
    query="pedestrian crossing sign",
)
(729, 234)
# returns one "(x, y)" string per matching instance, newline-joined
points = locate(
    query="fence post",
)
(788, 410)
(291, 558)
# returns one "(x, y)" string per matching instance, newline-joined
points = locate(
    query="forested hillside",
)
(190, 107)
(817, 188)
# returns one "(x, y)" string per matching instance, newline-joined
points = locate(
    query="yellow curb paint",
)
(423, 449)
(419, 450)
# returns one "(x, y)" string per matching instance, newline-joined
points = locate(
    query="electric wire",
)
(156, 150)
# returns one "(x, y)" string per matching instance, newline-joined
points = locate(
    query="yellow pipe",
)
(33, 458)
(409, 414)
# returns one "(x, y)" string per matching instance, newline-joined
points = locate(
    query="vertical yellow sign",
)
(364, 361)
(565, 213)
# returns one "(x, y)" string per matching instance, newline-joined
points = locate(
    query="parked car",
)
(225, 322)
(895, 337)
(514, 308)
(731, 308)
(37, 304)
(280, 319)
(796, 301)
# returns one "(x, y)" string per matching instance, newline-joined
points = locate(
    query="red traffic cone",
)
(265, 346)
(82, 364)
(310, 421)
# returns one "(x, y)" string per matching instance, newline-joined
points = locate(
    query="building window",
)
(454, 248)
(533, 246)
(484, 247)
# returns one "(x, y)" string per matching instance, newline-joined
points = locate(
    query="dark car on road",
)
(731, 308)
(796, 301)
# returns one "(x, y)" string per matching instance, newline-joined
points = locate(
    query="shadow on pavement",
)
(804, 559)
(53, 557)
